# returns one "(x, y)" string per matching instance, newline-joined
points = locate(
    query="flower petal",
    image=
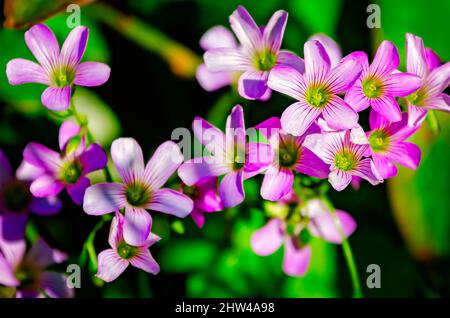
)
(102, 198)
(21, 71)
(289, 59)
(401, 84)
(43, 44)
(344, 75)
(13, 226)
(298, 117)
(128, 158)
(67, 131)
(41, 255)
(296, 260)
(438, 80)
(212, 81)
(268, 239)
(406, 154)
(386, 60)
(217, 36)
(145, 261)
(259, 157)
(46, 186)
(246, 30)
(5, 169)
(325, 146)
(92, 74)
(388, 107)
(253, 84)
(198, 217)
(331, 47)
(432, 59)
(339, 179)
(110, 265)
(116, 230)
(42, 157)
(197, 169)
(269, 127)
(367, 171)
(74, 46)
(45, 206)
(277, 183)
(7, 276)
(56, 98)
(13, 250)
(317, 62)
(171, 202)
(210, 136)
(77, 190)
(385, 166)
(325, 227)
(355, 97)
(288, 81)
(94, 158)
(226, 60)
(235, 131)
(339, 115)
(274, 30)
(231, 189)
(312, 165)
(136, 226)
(416, 115)
(55, 285)
(28, 172)
(415, 56)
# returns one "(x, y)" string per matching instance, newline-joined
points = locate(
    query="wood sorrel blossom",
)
(58, 69)
(293, 229)
(28, 274)
(344, 157)
(113, 262)
(231, 156)
(424, 63)
(388, 145)
(289, 156)
(258, 54)
(16, 201)
(140, 189)
(67, 169)
(380, 83)
(316, 91)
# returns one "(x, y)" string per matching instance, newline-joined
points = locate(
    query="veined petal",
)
(92, 74)
(289, 59)
(43, 44)
(116, 230)
(401, 84)
(416, 115)
(274, 30)
(226, 60)
(367, 171)
(269, 127)
(277, 183)
(212, 81)
(331, 47)
(171, 202)
(136, 226)
(325, 146)
(102, 198)
(235, 129)
(388, 107)
(339, 115)
(55, 285)
(384, 165)
(439, 102)
(432, 59)
(268, 239)
(217, 36)
(298, 117)
(415, 56)
(438, 80)
(253, 84)
(145, 261)
(42, 157)
(406, 154)
(110, 265)
(46, 186)
(312, 165)
(386, 60)
(355, 97)
(288, 81)
(21, 71)
(56, 98)
(231, 189)
(296, 259)
(317, 62)
(339, 179)
(246, 29)
(128, 158)
(259, 157)
(343, 75)
(210, 136)
(74, 46)
(197, 169)
(325, 227)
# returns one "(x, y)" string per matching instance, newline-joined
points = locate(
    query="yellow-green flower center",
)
(126, 251)
(137, 194)
(417, 98)
(71, 172)
(318, 96)
(63, 76)
(265, 60)
(16, 196)
(288, 154)
(372, 87)
(345, 160)
(379, 140)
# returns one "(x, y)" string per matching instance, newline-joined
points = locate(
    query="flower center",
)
(265, 60)
(318, 96)
(191, 192)
(137, 194)
(63, 76)
(126, 251)
(16, 196)
(28, 276)
(288, 154)
(372, 87)
(71, 172)
(417, 98)
(345, 161)
(379, 140)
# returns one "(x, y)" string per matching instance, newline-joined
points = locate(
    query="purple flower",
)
(424, 63)
(140, 189)
(380, 83)
(113, 262)
(292, 229)
(290, 156)
(388, 145)
(205, 198)
(316, 91)
(16, 201)
(331, 47)
(344, 157)
(258, 54)
(231, 156)
(67, 169)
(28, 274)
(58, 69)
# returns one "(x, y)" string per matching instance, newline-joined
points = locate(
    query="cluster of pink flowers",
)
(318, 136)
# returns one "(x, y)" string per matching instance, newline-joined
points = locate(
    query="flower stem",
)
(354, 275)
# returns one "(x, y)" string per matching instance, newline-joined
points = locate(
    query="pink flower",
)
(316, 91)
(331, 47)
(140, 189)
(16, 201)
(290, 156)
(28, 273)
(299, 219)
(344, 157)
(258, 54)
(113, 262)
(55, 171)
(380, 83)
(388, 145)
(58, 69)
(424, 63)
(205, 198)
(231, 156)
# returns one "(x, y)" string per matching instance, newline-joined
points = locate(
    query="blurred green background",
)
(152, 48)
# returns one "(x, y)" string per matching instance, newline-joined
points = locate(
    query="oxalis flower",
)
(27, 274)
(290, 156)
(58, 69)
(258, 54)
(346, 158)
(140, 189)
(388, 145)
(16, 201)
(231, 156)
(316, 91)
(293, 229)
(424, 63)
(205, 198)
(67, 169)
(113, 262)
(380, 83)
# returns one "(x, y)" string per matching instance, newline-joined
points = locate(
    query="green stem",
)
(88, 245)
(354, 275)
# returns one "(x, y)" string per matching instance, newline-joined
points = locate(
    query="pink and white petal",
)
(212, 81)
(77, 190)
(377, 121)
(210, 136)
(298, 117)
(439, 102)
(116, 230)
(217, 36)
(356, 98)
(42, 157)
(277, 183)
(311, 165)
(7, 276)
(110, 265)
(325, 146)
(314, 208)
(259, 157)
(41, 255)
(94, 158)
(151, 239)
(344, 75)
(209, 201)
(388, 107)
(274, 30)
(145, 261)
(231, 189)
(366, 170)
(128, 159)
(317, 62)
(358, 136)
(136, 226)
(246, 30)
(45, 206)
(5, 169)
(401, 84)
(74, 46)
(46, 186)
(56, 98)
(415, 56)
(416, 115)
(400, 130)
(42, 43)
(92, 74)
(198, 217)
(386, 59)
(296, 259)
(55, 285)
(289, 59)
(266, 96)
(360, 57)
(226, 60)
(339, 179)
(67, 131)
(405, 153)
(197, 169)
(288, 81)
(384, 165)
(268, 239)
(339, 115)
(438, 80)
(102, 198)
(324, 226)
(331, 47)
(28, 172)
(235, 129)
(21, 71)
(253, 84)
(269, 127)
(13, 250)
(171, 202)
(432, 59)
